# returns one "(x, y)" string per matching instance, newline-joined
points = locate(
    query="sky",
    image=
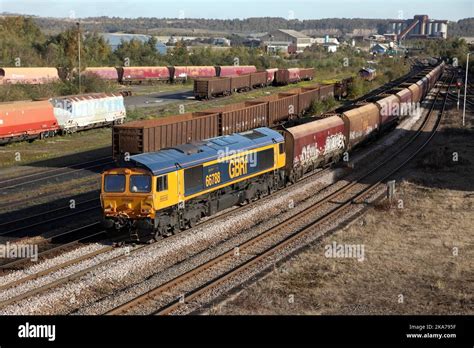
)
(228, 9)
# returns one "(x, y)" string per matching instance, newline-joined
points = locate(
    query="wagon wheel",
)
(157, 236)
(192, 222)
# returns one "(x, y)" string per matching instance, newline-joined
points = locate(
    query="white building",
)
(287, 40)
(329, 43)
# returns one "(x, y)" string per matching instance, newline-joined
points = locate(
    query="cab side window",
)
(162, 183)
(281, 147)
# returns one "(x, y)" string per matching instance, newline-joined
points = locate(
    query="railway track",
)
(174, 295)
(18, 264)
(51, 251)
(34, 178)
(46, 218)
(59, 243)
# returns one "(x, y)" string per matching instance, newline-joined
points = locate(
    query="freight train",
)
(149, 74)
(29, 120)
(123, 75)
(207, 88)
(160, 193)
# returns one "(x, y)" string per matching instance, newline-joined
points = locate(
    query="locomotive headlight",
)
(147, 205)
(148, 201)
(110, 206)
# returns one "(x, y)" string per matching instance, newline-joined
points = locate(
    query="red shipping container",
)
(313, 143)
(26, 120)
(104, 73)
(191, 72)
(230, 70)
(145, 73)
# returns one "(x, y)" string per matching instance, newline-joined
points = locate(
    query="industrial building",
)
(285, 40)
(420, 27)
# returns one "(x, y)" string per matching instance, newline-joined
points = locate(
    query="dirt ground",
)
(418, 253)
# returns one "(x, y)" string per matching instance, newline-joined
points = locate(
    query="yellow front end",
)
(132, 197)
(127, 193)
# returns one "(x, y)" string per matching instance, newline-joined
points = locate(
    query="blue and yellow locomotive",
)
(157, 194)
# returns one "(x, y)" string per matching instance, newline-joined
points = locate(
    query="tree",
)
(97, 51)
(19, 40)
(179, 54)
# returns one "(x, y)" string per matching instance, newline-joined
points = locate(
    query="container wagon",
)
(326, 92)
(360, 124)
(232, 70)
(306, 74)
(79, 112)
(141, 74)
(29, 76)
(281, 107)
(182, 73)
(208, 88)
(287, 76)
(313, 144)
(306, 96)
(258, 79)
(104, 73)
(389, 110)
(271, 75)
(26, 120)
(152, 135)
(241, 117)
(240, 83)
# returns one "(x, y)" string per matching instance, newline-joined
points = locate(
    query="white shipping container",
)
(88, 111)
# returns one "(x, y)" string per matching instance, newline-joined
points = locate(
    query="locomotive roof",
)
(195, 153)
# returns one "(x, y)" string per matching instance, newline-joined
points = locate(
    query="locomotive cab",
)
(130, 198)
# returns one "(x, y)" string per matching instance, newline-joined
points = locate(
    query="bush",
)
(356, 88)
(321, 106)
(316, 108)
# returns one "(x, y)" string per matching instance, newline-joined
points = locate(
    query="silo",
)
(430, 27)
(444, 29)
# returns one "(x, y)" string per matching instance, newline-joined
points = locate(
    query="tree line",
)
(23, 43)
(463, 27)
